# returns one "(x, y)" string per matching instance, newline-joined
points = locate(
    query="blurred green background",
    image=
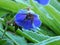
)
(48, 33)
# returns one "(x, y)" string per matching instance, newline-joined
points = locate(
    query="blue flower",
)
(43, 2)
(27, 20)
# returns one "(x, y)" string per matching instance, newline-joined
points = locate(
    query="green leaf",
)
(9, 42)
(28, 34)
(30, 43)
(2, 42)
(6, 41)
(46, 31)
(55, 4)
(32, 36)
(56, 16)
(11, 5)
(15, 38)
(3, 12)
(1, 26)
(50, 41)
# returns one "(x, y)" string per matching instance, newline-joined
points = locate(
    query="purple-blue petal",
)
(19, 23)
(19, 16)
(27, 24)
(37, 22)
(43, 2)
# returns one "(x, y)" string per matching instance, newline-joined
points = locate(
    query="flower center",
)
(29, 16)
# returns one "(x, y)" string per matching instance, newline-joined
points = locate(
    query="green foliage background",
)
(49, 32)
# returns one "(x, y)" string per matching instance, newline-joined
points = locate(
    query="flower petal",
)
(36, 21)
(19, 17)
(43, 2)
(27, 24)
